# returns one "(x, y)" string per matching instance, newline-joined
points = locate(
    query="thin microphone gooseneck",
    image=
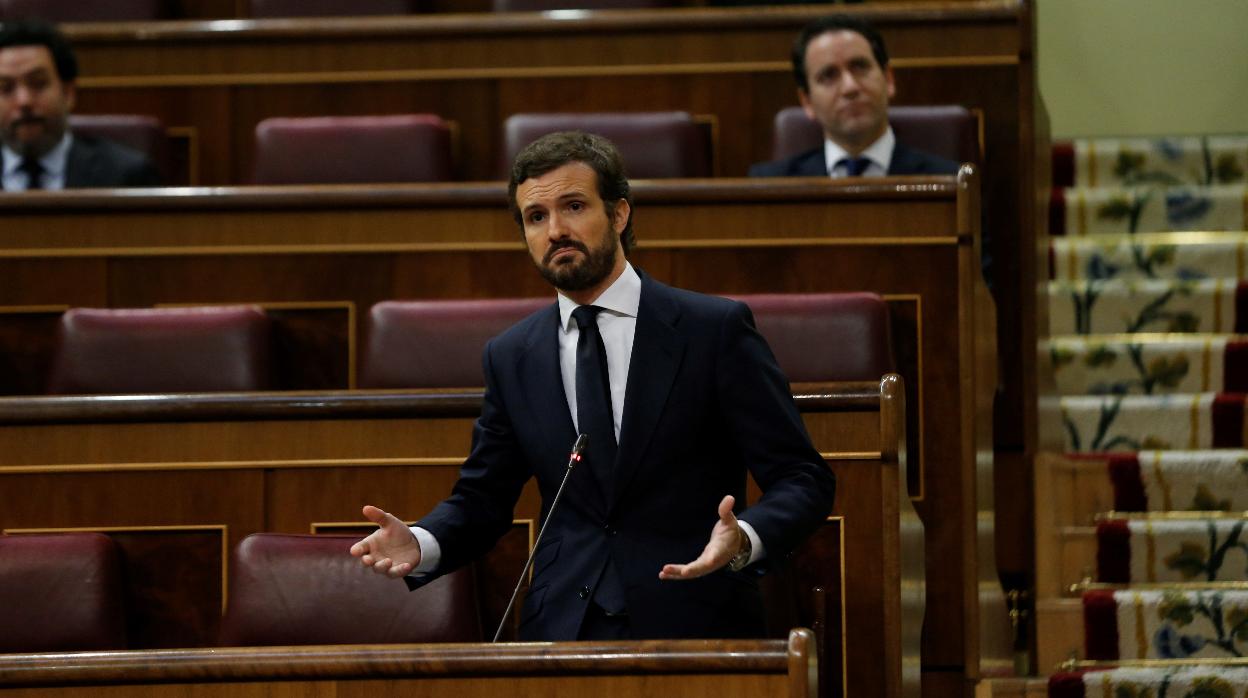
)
(577, 449)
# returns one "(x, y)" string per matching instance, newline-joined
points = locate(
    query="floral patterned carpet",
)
(1148, 308)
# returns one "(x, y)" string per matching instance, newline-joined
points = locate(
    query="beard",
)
(581, 273)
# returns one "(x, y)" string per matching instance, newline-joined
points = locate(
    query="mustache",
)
(554, 249)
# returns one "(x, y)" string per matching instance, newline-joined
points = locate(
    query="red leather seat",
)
(308, 590)
(80, 11)
(60, 593)
(143, 133)
(825, 336)
(435, 344)
(353, 149)
(161, 350)
(653, 144)
(330, 8)
(949, 131)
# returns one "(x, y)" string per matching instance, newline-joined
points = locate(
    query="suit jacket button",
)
(583, 593)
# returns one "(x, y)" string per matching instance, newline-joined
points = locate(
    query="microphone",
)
(573, 459)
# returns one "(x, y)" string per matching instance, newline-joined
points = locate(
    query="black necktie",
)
(593, 396)
(854, 167)
(34, 173)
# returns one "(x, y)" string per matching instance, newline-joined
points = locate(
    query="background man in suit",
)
(37, 90)
(679, 396)
(844, 82)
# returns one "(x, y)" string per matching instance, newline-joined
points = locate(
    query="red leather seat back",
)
(143, 133)
(308, 590)
(330, 8)
(162, 350)
(825, 336)
(353, 149)
(81, 10)
(653, 144)
(435, 344)
(949, 131)
(60, 593)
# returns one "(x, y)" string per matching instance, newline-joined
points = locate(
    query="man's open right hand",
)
(391, 550)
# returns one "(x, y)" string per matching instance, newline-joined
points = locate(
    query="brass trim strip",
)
(223, 528)
(851, 455)
(510, 246)
(1193, 436)
(1141, 635)
(1218, 290)
(232, 465)
(1150, 542)
(32, 309)
(356, 77)
(1171, 516)
(1206, 365)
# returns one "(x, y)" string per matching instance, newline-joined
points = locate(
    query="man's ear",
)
(888, 80)
(804, 99)
(71, 95)
(619, 216)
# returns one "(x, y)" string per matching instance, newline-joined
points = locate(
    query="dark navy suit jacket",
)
(705, 402)
(812, 163)
(95, 162)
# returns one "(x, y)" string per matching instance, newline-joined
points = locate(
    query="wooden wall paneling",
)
(27, 347)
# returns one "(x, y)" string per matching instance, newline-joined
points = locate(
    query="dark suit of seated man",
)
(37, 91)
(844, 82)
(680, 398)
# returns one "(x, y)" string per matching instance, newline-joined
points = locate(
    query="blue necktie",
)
(593, 396)
(854, 167)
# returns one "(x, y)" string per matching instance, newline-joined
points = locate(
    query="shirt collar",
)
(880, 152)
(53, 161)
(623, 297)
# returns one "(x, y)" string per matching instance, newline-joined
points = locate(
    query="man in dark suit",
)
(844, 82)
(680, 397)
(37, 92)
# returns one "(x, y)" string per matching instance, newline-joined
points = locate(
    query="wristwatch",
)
(742, 558)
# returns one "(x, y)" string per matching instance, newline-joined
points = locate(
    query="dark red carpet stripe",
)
(1228, 420)
(1124, 473)
(1100, 625)
(1113, 552)
(1063, 164)
(1235, 368)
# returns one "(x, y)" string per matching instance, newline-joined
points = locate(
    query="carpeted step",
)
(1183, 256)
(1100, 307)
(1214, 480)
(1172, 548)
(1104, 162)
(1094, 424)
(1135, 624)
(1163, 681)
(1149, 364)
(1115, 211)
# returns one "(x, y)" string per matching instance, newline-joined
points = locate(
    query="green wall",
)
(1143, 67)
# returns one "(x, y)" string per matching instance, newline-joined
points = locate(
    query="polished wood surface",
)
(908, 239)
(677, 668)
(299, 463)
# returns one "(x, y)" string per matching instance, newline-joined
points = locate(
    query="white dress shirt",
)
(880, 153)
(617, 324)
(53, 163)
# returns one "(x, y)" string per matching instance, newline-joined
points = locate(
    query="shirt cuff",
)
(756, 544)
(430, 552)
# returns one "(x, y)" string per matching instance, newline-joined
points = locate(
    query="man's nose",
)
(849, 83)
(555, 227)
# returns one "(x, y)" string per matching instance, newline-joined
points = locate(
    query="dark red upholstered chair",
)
(547, 5)
(308, 590)
(60, 592)
(435, 344)
(353, 149)
(161, 350)
(653, 144)
(81, 11)
(949, 131)
(825, 336)
(143, 133)
(330, 8)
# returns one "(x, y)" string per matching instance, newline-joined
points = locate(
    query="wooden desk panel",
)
(676, 668)
(906, 239)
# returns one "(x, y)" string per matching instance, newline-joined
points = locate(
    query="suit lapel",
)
(541, 384)
(78, 164)
(657, 352)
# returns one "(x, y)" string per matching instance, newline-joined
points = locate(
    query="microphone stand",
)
(577, 449)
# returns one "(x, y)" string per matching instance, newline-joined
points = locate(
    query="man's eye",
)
(537, 217)
(576, 205)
